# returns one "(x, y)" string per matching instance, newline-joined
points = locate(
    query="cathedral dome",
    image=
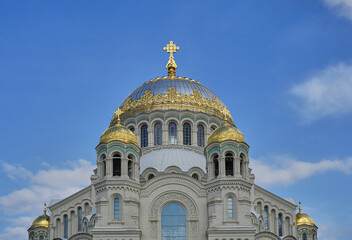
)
(118, 133)
(226, 132)
(41, 221)
(171, 93)
(303, 219)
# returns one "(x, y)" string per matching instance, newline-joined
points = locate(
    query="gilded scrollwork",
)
(172, 99)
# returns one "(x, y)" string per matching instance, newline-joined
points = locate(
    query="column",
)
(179, 134)
(236, 167)
(210, 170)
(109, 167)
(150, 136)
(194, 136)
(136, 171)
(69, 225)
(100, 173)
(124, 168)
(165, 135)
(221, 166)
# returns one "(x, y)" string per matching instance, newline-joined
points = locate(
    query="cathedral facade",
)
(173, 166)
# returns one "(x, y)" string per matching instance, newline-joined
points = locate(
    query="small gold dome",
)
(41, 221)
(118, 133)
(303, 219)
(226, 132)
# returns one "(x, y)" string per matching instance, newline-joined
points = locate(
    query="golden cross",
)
(300, 208)
(118, 112)
(171, 65)
(171, 48)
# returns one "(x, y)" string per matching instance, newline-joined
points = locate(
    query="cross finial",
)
(44, 209)
(300, 208)
(226, 113)
(118, 112)
(171, 64)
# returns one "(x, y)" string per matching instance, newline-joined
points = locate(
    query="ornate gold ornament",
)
(172, 100)
(171, 64)
(226, 113)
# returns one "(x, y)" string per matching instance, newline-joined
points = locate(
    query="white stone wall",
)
(204, 199)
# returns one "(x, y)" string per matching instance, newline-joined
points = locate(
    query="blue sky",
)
(283, 68)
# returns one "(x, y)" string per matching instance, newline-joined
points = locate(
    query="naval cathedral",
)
(172, 165)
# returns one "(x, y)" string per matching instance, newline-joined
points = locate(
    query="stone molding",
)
(173, 197)
(266, 236)
(81, 236)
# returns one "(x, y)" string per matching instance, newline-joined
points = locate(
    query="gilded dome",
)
(171, 93)
(303, 219)
(118, 133)
(41, 221)
(226, 132)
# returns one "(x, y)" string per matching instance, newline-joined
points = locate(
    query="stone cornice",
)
(235, 230)
(228, 183)
(116, 184)
(272, 195)
(70, 198)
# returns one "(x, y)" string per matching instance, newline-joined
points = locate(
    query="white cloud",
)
(45, 185)
(14, 233)
(51, 183)
(326, 93)
(341, 7)
(285, 170)
(16, 171)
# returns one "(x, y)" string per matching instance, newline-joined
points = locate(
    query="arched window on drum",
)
(172, 133)
(103, 165)
(157, 134)
(212, 128)
(116, 165)
(187, 134)
(229, 164)
(216, 165)
(130, 166)
(200, 135)
(144, 136)
(242, 165)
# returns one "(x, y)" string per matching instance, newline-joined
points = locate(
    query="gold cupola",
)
(41, 221)
(118, 132)
(302, 218)
(226, 132)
